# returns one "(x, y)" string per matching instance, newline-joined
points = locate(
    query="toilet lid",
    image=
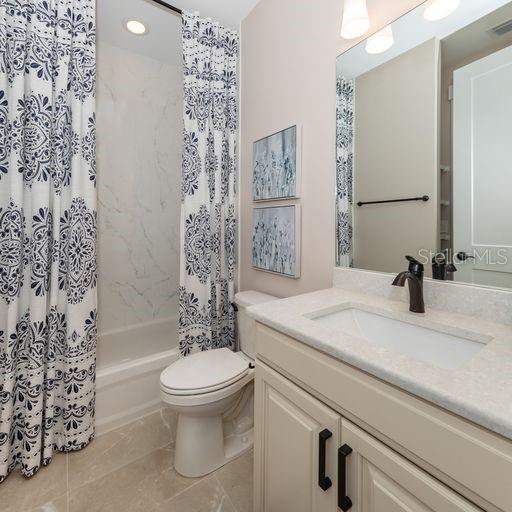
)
(204, 371)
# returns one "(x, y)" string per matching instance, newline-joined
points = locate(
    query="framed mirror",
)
(424, 145)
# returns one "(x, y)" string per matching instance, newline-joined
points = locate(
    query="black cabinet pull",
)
(344, 502)
(324, 482)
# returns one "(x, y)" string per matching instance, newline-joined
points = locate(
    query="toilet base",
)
(237, 444)
(202, 448)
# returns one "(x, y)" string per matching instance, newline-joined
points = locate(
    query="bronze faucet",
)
(415, 278)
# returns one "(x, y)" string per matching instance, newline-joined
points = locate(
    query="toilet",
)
(212, 392)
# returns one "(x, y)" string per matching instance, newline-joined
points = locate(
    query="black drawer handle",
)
(344, 502)
(324, 482)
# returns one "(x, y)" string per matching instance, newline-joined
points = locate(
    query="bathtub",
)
(129, 363)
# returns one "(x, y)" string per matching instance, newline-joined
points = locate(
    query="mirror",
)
(424, 146)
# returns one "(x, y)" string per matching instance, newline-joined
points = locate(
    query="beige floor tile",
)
(122, 471)
(237, 480)
(21, 494)
(170, 419)
(56, 505)
(119, 447)
(205, 496)
(142, 485)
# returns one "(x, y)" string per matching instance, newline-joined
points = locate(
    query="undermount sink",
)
(428, 345)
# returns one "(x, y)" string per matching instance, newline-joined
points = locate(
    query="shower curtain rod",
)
(168, 6)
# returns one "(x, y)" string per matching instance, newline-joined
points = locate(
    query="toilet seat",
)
(204, 373)
(204, 399)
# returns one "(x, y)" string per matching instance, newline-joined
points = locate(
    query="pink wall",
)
(289, 50)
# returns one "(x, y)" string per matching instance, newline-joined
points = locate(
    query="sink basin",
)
(438, 348)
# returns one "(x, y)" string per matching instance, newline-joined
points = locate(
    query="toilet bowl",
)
(212, 392)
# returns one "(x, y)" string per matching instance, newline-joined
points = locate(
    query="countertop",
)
(480, 390)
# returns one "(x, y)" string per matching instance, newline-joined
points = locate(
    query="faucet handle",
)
(440, 258)
(415, 266)
(412, 259)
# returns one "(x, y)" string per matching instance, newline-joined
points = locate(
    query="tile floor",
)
(129, 470)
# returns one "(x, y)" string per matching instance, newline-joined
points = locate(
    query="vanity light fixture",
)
(355, 19)
(381, 41)
(135, 27)
(439, 9)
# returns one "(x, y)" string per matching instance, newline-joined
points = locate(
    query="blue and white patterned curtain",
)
(47, 230)
(208, 230)
(344, 169)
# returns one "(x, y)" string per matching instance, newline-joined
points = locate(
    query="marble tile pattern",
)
(130, 469)
(480, 390)
(493, 304)
(139, 125)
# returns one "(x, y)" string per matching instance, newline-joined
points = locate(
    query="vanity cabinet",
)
(312, 460)
(385, 450)
(299, 438)
(380, 480)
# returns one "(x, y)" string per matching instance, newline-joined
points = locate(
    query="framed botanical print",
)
(276, 162)
(276, 239)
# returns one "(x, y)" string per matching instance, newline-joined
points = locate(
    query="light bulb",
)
(355, 19)
(439, 9)
(136, 27)
(381, 41)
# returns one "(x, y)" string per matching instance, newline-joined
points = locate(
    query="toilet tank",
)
(245, 324)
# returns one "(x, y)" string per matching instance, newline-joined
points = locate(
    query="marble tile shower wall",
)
(139, 123)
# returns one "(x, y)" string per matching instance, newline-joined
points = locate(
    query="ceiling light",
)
(381, 41)
(439, 9)
(355, 19)
(136, 27)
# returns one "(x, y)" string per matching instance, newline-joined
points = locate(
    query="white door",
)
(292, 429)
(380, 480)
(482, 170)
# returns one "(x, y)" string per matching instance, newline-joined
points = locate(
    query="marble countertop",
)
(480, 390)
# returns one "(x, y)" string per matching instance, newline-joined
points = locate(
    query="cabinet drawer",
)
(456, 450)
(380, 480)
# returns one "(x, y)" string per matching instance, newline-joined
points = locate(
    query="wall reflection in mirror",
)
(424, 145)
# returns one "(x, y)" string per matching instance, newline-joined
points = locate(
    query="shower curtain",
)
(344, 169)
(47, 230)
(208, 221)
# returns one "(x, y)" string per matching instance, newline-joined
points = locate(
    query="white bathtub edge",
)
(138, 326)
(120, 372)
(127, 416)
(129, 391)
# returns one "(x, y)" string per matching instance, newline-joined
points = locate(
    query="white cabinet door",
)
(288, 441)
(380, 480)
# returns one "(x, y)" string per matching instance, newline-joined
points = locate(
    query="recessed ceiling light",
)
(381, 41)
(439, 9)
(136, 27)
(355, 19)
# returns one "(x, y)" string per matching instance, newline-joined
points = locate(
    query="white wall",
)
(289, 50)
(139, 123)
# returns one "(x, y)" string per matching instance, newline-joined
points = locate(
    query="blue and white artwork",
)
(274, 166)
(275, 240)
